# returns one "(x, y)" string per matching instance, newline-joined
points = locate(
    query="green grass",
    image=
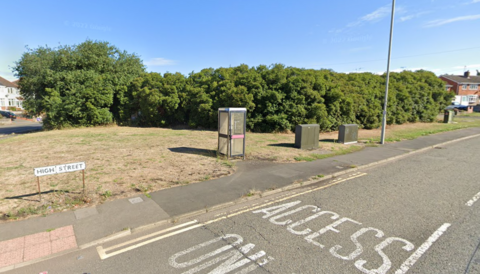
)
(410, 134)
(106, 194)
(303, 158)
(22, 212)
(474, 114)
(30, 210)
(143, 135)
(252, 192)
(228, 164)
(339, 151)
(12, 167)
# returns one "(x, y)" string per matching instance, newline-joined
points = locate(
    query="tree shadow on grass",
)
(291, 145)
(21, 197)
(282, 145)
(329, 140)
(196, 151)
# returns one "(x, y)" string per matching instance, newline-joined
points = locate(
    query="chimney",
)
(467, 74)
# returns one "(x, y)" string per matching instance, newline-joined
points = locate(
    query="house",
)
(10, 97)
(466, 88)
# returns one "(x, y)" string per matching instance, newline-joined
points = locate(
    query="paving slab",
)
(14, 229)
(115, 216)
(85, 212)
(12, 245)
(135, 200)
(34, 246)
(11, 257)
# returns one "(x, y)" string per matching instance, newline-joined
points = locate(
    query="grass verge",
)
(124, 162)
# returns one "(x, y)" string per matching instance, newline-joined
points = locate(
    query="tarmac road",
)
(19, 126)
(420, 214)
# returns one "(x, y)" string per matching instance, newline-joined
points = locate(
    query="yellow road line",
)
(104, 255)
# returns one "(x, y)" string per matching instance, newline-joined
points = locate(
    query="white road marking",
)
(422, 249)
(103, 252)
(230, 259)
(473, 200)
(387, 264)
(359, 249)
(277, 212)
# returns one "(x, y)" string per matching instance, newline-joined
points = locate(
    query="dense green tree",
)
(155, 99)
(80, 85)
(94, 83)
(278, 98)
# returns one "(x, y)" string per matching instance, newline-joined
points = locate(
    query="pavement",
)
(28, 241)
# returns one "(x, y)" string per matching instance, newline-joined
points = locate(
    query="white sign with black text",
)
(50, 170)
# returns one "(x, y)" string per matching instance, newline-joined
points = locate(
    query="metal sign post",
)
(83, 178)
(39, 192)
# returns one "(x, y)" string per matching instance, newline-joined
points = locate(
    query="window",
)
(474, 86)
(464, 98)
(11, 102)
(2, 102)
(472, 99)
(464, 87)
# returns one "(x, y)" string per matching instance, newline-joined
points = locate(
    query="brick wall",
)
(467, 91)
(454, 87)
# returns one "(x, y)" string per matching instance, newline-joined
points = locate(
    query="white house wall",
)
(9, 99)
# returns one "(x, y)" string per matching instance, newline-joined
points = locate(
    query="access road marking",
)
(277, 215)
(473, 200)
(102, 252)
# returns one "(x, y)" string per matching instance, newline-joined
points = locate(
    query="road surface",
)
(19, 126)
(420, 214)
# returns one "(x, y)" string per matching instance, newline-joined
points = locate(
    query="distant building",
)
(10, 95)
(466, 88)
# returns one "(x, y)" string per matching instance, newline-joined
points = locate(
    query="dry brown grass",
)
(124, 161)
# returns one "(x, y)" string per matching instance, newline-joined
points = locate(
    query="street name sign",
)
(50, 170)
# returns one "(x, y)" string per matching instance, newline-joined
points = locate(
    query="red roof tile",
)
(5, 82)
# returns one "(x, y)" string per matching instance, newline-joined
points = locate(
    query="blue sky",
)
(185, 36)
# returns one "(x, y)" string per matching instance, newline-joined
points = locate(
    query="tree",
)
(155, 99)
(79, 85)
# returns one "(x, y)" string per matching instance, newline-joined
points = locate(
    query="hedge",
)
(278, 98)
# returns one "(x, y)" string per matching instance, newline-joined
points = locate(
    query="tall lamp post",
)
(384, 117)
